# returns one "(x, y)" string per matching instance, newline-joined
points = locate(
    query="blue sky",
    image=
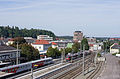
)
(63, 17)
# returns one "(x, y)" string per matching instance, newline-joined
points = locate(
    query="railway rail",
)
(96, 71)
(72, 73)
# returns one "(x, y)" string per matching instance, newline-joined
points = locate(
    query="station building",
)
(8, 54)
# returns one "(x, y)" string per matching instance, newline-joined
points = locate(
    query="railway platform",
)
(41, 72)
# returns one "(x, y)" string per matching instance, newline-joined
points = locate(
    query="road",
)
(112, 68)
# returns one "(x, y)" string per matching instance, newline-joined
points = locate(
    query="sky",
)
(94, 17)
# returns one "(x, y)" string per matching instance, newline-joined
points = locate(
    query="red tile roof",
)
(91, 45)
(53, 43)
(12, 39)
(41, 42)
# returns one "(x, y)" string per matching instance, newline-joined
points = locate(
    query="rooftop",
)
(41, 42)
(78, 31)
(53, 43)
(116, 47)
(4, 48)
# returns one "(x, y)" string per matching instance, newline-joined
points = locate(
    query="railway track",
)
(72, 73)
(96, 71)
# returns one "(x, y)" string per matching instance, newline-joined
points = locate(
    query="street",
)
(112, 68)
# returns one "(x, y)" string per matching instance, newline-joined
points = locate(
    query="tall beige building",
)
(78, 36)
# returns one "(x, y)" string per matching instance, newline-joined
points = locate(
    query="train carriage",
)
(26, 66)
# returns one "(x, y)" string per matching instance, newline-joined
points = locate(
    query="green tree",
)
(119, 42)
(84, 42)
(29, 52)
(106, 45)
(20, 40)
(53, 52)
(14, 31)
(76, 47)
(68, 50)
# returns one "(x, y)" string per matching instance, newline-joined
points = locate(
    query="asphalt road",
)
(112, 68)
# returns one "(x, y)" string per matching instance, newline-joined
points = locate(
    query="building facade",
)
(42, 46)
(78, 36)
(115, 48)
(44, 37)
(9, 54)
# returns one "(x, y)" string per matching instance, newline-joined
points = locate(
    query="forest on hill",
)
(11, 32)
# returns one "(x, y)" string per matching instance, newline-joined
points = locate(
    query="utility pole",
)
(32, 72)
(83, 60)
(63, 54)
(17, 54)
(95, 59)
(71, 56)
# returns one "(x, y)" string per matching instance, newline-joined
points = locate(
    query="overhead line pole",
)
(83, 60)
(17, 54)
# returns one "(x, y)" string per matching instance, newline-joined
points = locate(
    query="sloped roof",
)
(53, 43)
(5, 49)
(116, 47)
(11, 39)
(41, 42)
(91, 45)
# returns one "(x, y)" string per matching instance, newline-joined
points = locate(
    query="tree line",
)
(11, 32)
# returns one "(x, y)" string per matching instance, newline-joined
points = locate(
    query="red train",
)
(76, 55)
(26, 66)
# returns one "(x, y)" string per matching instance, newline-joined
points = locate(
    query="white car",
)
(117, 55)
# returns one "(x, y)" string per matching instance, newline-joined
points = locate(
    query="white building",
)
(54, 45)
(115, 48)
(10, 41)
(95, 47)
(44, 37)
(42, 46)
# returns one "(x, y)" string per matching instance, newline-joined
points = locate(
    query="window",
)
(9, 70)
(35, 47)
(13, 70)
(40, 47)
(6, 71)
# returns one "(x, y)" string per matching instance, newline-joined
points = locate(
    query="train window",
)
(15, 69)
(12, 69)
(9, 70)
(6, 71)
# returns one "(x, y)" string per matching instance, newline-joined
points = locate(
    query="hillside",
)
(11, 32)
